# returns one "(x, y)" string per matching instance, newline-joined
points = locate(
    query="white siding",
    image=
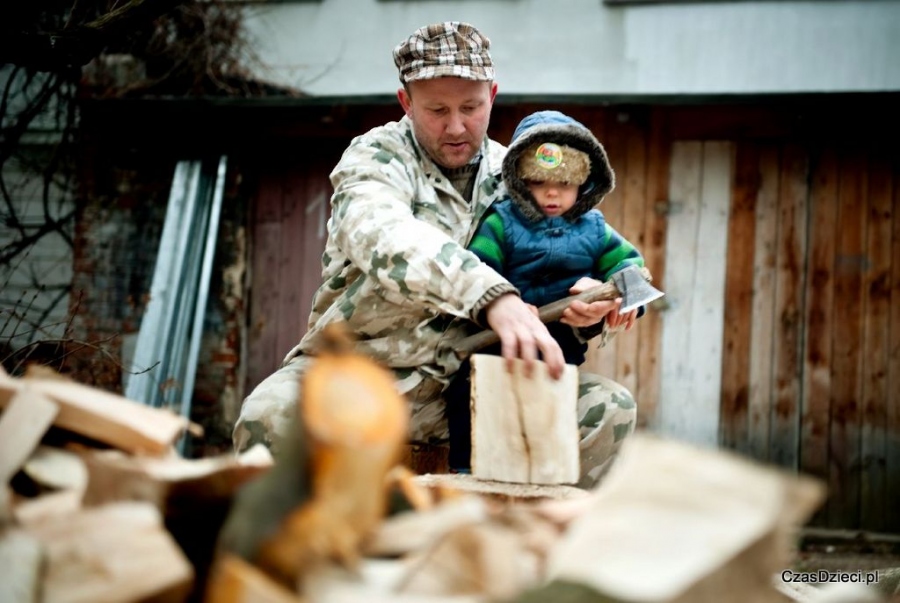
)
(33, 285)
(585, 47)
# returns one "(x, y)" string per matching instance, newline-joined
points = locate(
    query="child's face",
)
(554, 198)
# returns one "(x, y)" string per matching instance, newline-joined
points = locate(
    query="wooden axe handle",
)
(548, 313)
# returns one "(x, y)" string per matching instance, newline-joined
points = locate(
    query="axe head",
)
(635, 290)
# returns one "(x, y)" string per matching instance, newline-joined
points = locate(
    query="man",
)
(408, 197)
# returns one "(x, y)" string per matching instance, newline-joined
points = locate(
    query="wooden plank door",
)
(810, 362)
(289, 216)
(692, 330)
(638, 150)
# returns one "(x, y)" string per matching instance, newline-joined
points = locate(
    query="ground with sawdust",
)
(851, 556)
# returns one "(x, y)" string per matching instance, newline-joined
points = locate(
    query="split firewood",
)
(676, 523)
(484, 559)
(538, 536)
(171, 484)
(26, 419)
(328, 489)
(120, 552)
(56, 469)
(561, 511)
(22, 425)
(47, 506)
(193, 495)
(411, 532)
(375, 581)
(61, 478)
(101, 415)
(524, 429)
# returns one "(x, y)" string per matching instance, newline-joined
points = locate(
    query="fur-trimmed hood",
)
(556, 127)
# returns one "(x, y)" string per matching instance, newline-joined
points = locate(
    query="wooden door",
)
(698, 209)
(288, 236)
(812, 383)
(782, 336)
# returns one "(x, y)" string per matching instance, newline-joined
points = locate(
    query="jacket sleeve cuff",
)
(588, 333)
(477, 314)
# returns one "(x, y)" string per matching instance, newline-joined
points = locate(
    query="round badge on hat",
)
(549, 156)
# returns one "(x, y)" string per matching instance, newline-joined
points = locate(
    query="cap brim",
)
(477, 74)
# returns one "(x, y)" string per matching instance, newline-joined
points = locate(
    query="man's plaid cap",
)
(449, 49)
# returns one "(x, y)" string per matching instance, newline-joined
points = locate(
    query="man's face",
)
(450, 116)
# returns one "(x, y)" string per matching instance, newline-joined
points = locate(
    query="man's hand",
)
(580, 314)
(523, 335)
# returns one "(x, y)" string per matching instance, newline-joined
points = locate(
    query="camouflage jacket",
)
(395, 266)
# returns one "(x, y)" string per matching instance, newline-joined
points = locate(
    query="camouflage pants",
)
(606, 414)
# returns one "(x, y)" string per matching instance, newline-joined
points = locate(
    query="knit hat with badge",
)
(449, 49)
(551, 162)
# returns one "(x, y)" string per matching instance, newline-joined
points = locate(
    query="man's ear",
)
(405, 100)
(493, 91)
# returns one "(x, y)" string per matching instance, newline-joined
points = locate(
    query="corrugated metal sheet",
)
(165, 359)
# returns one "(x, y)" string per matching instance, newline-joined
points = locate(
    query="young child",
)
(545, 237)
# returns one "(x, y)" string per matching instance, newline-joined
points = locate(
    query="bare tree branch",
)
(75, 45)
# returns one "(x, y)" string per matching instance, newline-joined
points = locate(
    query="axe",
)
(632, 284)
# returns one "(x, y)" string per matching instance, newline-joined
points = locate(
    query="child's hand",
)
(534, 310)
(615, 320)
(580, 314)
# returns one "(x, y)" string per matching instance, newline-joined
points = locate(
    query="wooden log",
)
(524, 430)
(355, 425)
(119, 552)
(101, 415)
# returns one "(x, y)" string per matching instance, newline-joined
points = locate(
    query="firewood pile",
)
(97, 506)
(94, 495)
